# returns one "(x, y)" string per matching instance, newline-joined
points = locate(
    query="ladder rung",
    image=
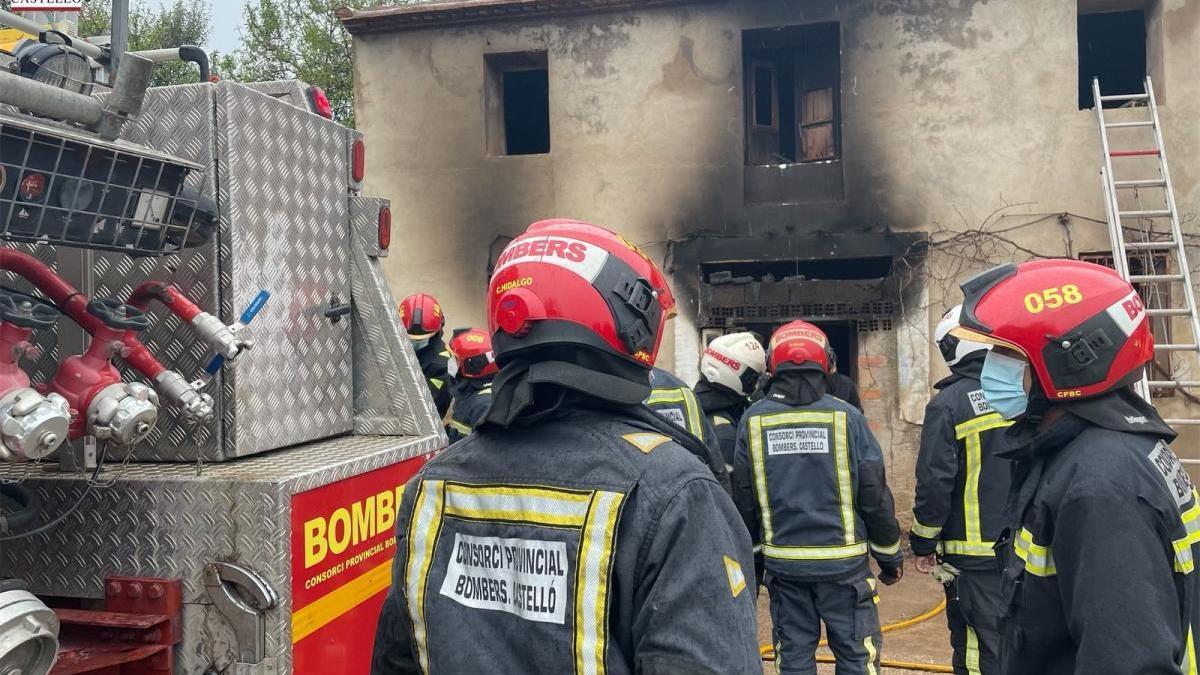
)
(1173, 311)
(1142, 278)
(1147, 182)
(1133, 153)
(1127, 125)
(1172, 384)
(1149, 245)
(1175, 348)
(1153, 213)
(1124, 97)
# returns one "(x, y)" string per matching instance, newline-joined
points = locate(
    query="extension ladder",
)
(1151, 236)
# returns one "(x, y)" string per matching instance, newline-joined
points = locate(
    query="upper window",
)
(518, 103)
(792, 94)
(1113, 46)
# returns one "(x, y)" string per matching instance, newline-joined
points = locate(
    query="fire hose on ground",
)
(768, 651)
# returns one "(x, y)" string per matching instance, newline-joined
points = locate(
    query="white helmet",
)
(954, 348)
(735, 361)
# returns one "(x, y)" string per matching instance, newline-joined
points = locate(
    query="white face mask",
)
(452, 367)
(419, 344)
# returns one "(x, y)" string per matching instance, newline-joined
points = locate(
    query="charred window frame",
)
(792, 94)
(1155, 295)
(1120, 42)
(517, 102)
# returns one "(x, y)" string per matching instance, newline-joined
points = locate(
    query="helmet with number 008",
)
(1083, 328)
(472, 352)
(799, 342)
(569, 283)
(421, 315)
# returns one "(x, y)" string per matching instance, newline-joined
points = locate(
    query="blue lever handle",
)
(248, 315)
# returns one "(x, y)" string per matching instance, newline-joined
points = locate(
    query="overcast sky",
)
(226, 21)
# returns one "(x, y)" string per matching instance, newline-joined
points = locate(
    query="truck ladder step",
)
(1174, 311)
(1133, 153)
(1172, 384)
(1154, 213)
(1175, 347)
(1124, 97)
(1128, 125)
(1142, 278)
(1148, 182)
(1149, 245)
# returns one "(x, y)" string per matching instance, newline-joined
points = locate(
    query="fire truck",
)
(208, 407)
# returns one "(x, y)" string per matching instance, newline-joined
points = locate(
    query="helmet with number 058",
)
(565, 283)
(799, 343)
(472, 352)
(421, 315)
(1082, 328)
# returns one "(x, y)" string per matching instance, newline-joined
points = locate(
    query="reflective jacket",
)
(961, 483)
(674, 401)
(433, 360)
(585, 543)
(1100, 574)
(723, 408)
(471, 401)
(811, 483)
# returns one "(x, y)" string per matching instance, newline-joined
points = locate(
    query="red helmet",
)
(422, 315)
(564, 282)
(472, 351)
(1082, 327)
(798, 342)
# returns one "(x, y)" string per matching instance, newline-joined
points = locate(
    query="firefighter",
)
(841, 386)
(811, 487)
(422, 317)
(730, 370)
(1099, 569)
(959, 505)
(676, 402)
(472, 366)
(575, 531)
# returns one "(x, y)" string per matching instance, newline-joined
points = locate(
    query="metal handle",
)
(245, 608)
(248, 314)
(337, 309)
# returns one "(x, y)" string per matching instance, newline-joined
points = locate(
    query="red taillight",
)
(385, 227)
(32, 187)
(320, 102)
(359, 163)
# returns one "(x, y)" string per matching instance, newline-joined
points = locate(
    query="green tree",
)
(174, 25)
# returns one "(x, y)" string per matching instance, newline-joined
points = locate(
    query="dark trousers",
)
(847, 608)
(972, 603)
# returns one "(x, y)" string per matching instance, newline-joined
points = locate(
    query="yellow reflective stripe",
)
(798, 417)
(445, 353)
(459, 427)
(1184, 564)
(691, 407)
(486, 390)
(1039, 560)
(845, 488)
(1191, 519)
(922, 530)
(539, 506)
(972, 652)
(971, 488)
(591, 584)
(982, 549)
(1189, 656)
(874, 593)
(423, 531)
(815, 552)
(760, 477)
(872, 654)
(719, 421)
(978, 425)
(886, 550)
(437, 383)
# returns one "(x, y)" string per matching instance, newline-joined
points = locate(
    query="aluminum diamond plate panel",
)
(288, 200)
(165, 520)
(390, 396)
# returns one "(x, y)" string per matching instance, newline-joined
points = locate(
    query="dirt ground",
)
(927, 642)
